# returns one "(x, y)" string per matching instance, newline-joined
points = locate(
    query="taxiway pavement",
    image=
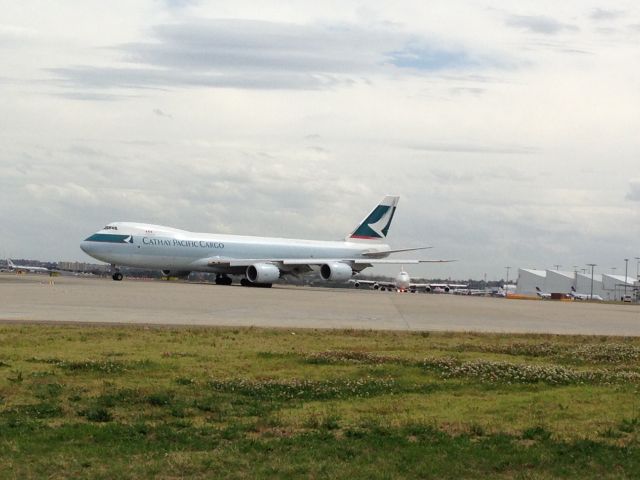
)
(91, 300)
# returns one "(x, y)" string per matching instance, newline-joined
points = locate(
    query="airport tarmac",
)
(31, 298)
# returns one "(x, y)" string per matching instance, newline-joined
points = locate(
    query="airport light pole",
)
(508, 268)
(626, 270)
(637, 267)
(592, 265)
(557, 267)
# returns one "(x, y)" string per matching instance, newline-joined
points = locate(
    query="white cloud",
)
(256, 54)
(539, 24)
(634, 190)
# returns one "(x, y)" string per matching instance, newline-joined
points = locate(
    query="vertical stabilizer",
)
(376, 225)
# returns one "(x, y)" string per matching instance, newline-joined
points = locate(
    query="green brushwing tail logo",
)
(377, 224)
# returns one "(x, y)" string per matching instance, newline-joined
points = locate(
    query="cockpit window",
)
(110, 227)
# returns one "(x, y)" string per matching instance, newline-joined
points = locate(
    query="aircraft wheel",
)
(117, 277)
(223, 280)
(248, 283)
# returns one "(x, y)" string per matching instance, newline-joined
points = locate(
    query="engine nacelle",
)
(336, 272)
(176, 273)
(263, 273)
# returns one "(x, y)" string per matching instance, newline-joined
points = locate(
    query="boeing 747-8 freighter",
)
(260, 260)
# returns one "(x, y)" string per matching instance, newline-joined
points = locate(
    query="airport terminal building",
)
(609, 287)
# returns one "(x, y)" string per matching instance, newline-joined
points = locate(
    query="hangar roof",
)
(539, 273)
(570, 275)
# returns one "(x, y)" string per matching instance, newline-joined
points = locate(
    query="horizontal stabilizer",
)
(374, 253)
(436, 261)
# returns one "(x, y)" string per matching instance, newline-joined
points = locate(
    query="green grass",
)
(139, 402)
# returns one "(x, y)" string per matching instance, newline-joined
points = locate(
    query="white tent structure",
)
(559, 282)
(583, 285)
(528, 280)
(614, 286)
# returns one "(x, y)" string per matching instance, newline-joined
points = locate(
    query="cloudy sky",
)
(510, 130)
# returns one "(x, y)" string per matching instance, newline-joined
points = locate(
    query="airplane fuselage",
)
(403, 281)
(159, 247)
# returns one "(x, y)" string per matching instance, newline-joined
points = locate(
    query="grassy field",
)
(137, 402)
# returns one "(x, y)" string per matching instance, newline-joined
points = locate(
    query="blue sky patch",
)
(431, 59)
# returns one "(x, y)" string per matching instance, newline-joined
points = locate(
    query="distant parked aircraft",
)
(573, 295)
(402, 283)
(543, 295)
(26, 268)
(584, 296)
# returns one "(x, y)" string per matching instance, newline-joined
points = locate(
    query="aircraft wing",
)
(363, 262)
(363, 282)
(418, 286)
(373, 282)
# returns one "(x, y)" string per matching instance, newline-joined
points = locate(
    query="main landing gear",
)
(115, 274)
(223, 280)
(245, 282)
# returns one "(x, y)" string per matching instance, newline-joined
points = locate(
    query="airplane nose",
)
(85, 247)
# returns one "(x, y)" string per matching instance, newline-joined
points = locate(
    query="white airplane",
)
(260, 260)
(26, 268)
(402, 283)
(584, 296)
(543, 295)
(457, 288)
(476, 292)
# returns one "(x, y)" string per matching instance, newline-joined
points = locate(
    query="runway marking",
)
(395, 305)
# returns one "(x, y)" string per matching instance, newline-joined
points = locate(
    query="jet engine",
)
(336, 271)
(263, 273)
(176, 273)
